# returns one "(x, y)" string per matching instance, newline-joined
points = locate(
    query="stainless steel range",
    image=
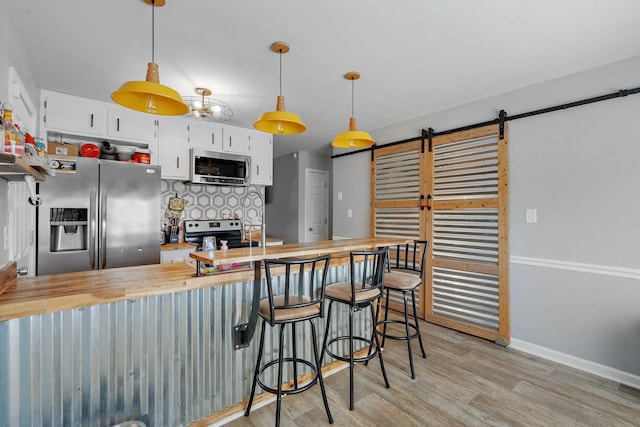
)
(222, 229)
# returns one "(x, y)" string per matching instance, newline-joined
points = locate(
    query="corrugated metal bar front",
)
(168, 359)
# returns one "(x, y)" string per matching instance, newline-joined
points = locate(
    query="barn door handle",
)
(427, 204)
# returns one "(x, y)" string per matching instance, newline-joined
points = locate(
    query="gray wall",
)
(575, 273)
(351, 177)
(282, 205)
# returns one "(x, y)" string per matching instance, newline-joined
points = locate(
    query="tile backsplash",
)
(211, 201)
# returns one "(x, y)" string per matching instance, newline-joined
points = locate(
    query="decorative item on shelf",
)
(150, 96)
(210, 109)
(353, 138)
(174, 211)
(280, 121)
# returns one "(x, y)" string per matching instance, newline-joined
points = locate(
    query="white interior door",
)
(317, 205)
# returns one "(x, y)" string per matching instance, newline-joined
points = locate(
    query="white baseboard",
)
(575, 362)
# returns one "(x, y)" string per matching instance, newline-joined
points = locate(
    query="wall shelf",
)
(13, 168)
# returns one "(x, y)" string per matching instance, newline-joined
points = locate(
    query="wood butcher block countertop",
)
(241, 255)
(56, 292)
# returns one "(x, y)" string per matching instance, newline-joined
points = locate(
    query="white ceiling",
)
(415, 56)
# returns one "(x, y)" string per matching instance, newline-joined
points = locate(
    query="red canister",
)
(142, 157)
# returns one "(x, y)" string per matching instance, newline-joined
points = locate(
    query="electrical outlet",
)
(339, 195)
(349, 213)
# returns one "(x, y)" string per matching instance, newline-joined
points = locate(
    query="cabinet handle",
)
(213, 139)
(230, 144)
(257, 169)
(178, 162)
(91, 120)
(118, 125)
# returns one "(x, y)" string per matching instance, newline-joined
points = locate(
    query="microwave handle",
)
(247, 170)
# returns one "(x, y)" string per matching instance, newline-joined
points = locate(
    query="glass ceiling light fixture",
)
(209, 109)
(150, 96)
(353, 138)
(280, 121)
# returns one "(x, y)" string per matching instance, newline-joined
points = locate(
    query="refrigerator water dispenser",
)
(68, 229)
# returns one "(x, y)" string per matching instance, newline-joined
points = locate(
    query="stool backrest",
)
(372, 274)
(302, 282)
(409, 257)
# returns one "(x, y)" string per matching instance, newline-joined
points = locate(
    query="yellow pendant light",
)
(150, 96)
(280, 121)
(353, 138)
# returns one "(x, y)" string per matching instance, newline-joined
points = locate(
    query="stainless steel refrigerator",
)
(103, 214)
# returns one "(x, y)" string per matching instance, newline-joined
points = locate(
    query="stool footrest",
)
(374, 349)
(397, 337)
(293, 390)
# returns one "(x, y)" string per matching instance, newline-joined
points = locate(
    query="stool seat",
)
(400, 280)
(341, 291)
(281, 314)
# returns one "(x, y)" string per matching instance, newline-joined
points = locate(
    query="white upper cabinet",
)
(174, 150)
(129, 125)
(205, 135)
(73, 115)
(236, 140)
(261, 149)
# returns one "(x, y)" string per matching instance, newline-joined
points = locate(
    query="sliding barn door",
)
(452, 192)
(467, 287)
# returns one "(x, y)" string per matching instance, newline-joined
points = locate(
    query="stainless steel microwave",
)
(209, 167)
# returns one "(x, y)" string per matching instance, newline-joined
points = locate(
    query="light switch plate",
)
(531, 216)
(349, 213)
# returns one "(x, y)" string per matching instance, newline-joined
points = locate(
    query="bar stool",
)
(358, 294)
(404, 276)
(295, 296)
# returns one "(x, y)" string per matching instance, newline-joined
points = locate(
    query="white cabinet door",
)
(174, 151)
(205, 135)
(261, 149)
(73, 115)
(129, 125)
(235, 140)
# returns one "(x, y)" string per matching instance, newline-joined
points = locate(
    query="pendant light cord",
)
(153, 30)
(280, 72)
(352, 96)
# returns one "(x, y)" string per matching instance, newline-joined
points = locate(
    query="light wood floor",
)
(463, 381)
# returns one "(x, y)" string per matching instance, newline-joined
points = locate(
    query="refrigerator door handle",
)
(103, 230)
(93, 215)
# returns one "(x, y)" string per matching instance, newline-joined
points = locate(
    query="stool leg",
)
(351, 363)
(374, 316)
(319, 367)
(295, 354)
(406, 326)
(280, 362)
(326, 332)
(415, 319)
(255, 375)
(386, 313)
